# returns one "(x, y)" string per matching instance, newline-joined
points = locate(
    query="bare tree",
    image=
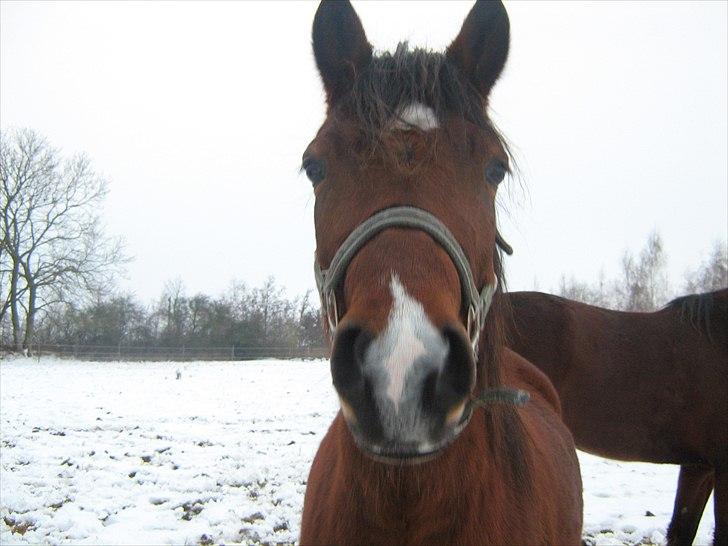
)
(55, 247)
(23, 157)
(5, 272)
(174, 312)
(598, 294)
(712, 273)
(644, 286)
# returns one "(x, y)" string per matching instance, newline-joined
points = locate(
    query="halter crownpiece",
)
(327, 280)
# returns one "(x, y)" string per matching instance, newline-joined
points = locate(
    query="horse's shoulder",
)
(522, 374)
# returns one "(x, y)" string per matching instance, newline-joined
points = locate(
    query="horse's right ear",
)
(340, 47)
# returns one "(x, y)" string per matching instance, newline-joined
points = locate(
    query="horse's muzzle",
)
(403, 404)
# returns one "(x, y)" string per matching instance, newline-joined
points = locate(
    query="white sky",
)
(198, 114)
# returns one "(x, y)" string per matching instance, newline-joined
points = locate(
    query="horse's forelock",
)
(393, 82)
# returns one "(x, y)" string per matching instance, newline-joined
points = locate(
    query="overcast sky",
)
(198, 114)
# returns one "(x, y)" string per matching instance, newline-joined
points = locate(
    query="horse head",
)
(405, 170)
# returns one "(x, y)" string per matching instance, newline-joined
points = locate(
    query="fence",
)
(137, 353)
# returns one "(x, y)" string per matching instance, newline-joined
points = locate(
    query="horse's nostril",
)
(458, 377)
(355, 389)
(347, 359)
(361, 343)
(429, 392)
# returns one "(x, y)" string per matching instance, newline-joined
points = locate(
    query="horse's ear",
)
(481, 49)
(340, 47)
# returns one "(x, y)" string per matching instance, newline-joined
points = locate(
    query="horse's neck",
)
(424, 496)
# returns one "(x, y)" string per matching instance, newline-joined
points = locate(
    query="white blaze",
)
(409, 336)
(417, 115)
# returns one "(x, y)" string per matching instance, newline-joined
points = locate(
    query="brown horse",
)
(405, 170)
(641, 387)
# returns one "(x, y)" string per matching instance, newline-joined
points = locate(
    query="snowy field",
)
(124, 453)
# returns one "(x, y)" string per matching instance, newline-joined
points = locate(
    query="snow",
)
(124, 453)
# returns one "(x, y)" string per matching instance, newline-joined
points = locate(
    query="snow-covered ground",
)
(125, 453)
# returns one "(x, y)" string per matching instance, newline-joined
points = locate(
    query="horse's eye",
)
(314, 170)
(495, 172)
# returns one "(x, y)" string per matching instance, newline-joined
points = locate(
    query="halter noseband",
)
(328, 280)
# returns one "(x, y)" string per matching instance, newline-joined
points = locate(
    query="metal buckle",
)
(332, 313)
(473, 326)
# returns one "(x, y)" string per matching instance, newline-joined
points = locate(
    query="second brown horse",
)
(641, 387)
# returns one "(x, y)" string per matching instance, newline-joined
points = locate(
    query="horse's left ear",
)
(340, 47)
(481, 49)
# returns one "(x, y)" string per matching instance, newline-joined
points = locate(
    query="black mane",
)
(697, 309)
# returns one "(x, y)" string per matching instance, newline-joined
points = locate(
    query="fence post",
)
(232, 352)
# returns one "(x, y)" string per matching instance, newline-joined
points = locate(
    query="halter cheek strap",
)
(477, 302)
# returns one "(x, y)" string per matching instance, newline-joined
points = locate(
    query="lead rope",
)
(502, 395)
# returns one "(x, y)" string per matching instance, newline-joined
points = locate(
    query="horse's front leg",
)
(721, 506)
(693, 489)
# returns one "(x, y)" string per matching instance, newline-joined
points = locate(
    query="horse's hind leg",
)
(693, 489)
(721, 507)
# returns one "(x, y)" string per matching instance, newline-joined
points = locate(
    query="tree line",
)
(243, 317)
(642, 283)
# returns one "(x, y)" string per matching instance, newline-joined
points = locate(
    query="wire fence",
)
(140, 353)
